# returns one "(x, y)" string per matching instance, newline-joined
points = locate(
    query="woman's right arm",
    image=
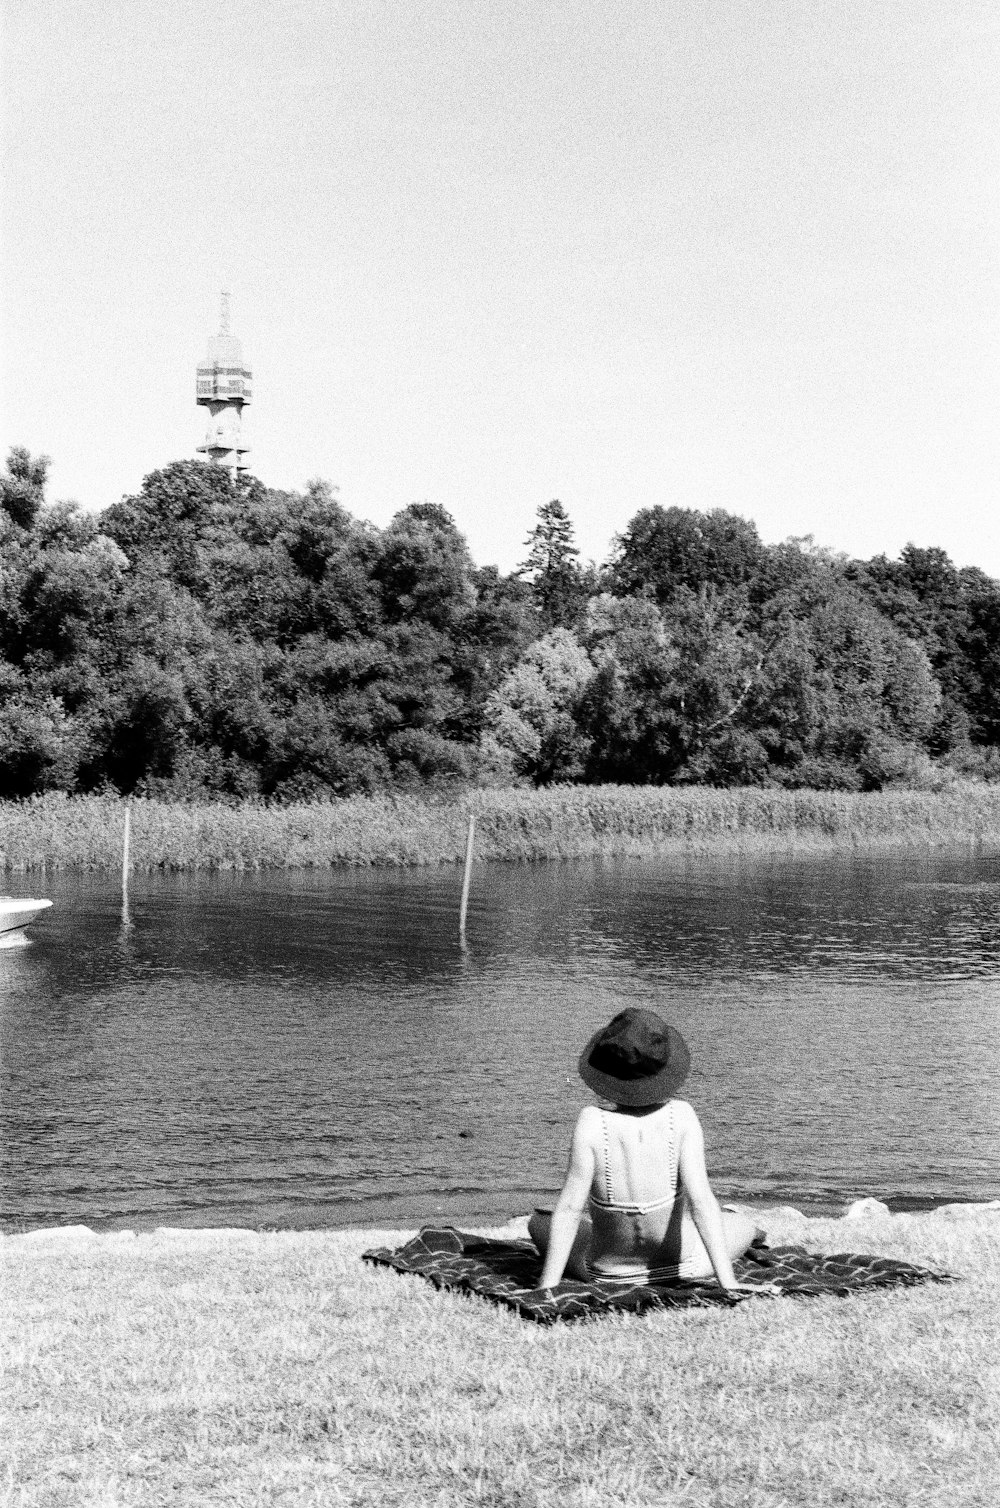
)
(704, 1205)
(572, 1200)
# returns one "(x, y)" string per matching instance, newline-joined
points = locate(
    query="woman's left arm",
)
(572, 1200)
(704, 1205)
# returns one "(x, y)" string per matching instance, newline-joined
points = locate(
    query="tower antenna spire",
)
(224, 383)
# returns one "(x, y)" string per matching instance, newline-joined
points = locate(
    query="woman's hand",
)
(770, 1290)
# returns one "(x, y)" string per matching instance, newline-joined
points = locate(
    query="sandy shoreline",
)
(781, 1222)
(502, 1213)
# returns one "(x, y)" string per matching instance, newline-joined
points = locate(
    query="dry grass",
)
(57, 832)
(201, 1367)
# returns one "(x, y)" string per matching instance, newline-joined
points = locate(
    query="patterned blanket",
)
(507, 1272)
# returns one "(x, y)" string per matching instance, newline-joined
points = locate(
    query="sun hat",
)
(637, 1059)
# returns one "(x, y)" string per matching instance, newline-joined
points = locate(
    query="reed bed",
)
(55, 832)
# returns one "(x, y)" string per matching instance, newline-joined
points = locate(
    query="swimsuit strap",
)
(607, 1157)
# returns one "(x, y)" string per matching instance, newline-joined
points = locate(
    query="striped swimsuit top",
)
(635, 1239)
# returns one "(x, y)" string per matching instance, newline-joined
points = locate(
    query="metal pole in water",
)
(468, 875)
(125, 861)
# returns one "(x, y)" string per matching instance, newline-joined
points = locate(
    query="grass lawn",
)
(207, 1367)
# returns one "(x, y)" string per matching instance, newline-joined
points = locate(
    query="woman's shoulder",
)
(684, 1113)
(588, 1122)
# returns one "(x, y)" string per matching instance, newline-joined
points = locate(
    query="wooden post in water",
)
(125, 861)
(467, 876)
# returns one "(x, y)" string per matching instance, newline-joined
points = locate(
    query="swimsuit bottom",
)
(629, 1228)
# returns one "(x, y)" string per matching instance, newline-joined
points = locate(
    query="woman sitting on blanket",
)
(636, 1205)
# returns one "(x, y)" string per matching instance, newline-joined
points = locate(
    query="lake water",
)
(315, 1049)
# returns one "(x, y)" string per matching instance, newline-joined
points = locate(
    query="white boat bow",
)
(15, 915)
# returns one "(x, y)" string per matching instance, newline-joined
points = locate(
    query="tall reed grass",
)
(564, 822)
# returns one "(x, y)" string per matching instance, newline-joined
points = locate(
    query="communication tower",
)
(223, 388)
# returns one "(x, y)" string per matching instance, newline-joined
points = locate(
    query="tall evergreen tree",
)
(556, 580)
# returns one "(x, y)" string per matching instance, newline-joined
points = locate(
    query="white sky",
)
(717, 253)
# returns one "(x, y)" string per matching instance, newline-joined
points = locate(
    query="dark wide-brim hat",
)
(637, 1059)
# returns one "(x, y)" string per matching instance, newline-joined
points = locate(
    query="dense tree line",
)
(215, 637)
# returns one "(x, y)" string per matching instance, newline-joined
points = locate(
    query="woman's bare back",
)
(635, 1161)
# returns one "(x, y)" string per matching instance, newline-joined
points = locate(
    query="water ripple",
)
(317, 1048)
